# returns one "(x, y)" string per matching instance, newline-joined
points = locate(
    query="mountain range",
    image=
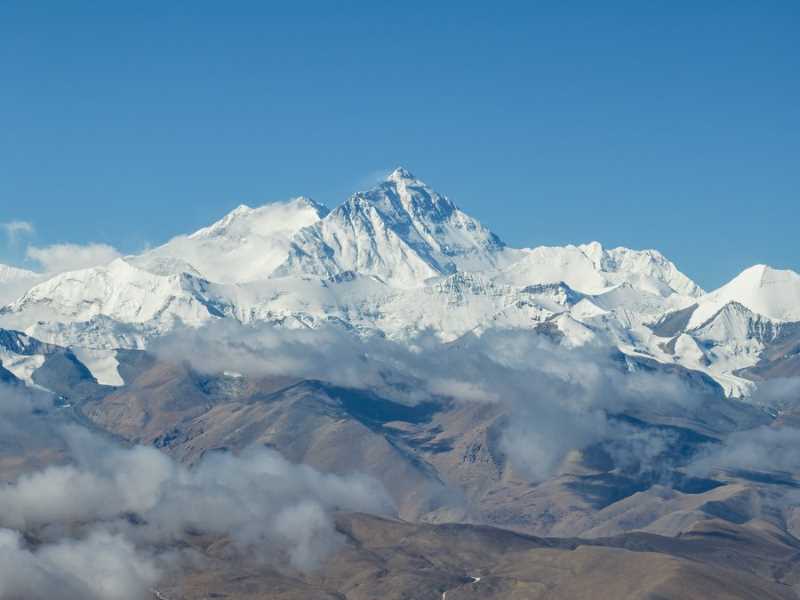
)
(399, 261)
(549, 422)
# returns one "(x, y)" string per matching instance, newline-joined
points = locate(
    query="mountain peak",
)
(402, 199)
(266, 219)
(760, 276)
(773, 293)
(401, 174)
(306, 202)
(246, 245)
(401, 231)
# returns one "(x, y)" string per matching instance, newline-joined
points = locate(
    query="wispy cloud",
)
(763, 448)
(16, 229)
(100, 566)
(373, 178)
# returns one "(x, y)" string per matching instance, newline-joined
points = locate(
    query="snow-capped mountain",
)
(402, 231)
(399, 260)
(769, 292)
(115, 297)
(729, 329)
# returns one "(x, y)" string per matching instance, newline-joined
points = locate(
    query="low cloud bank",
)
(91, 528)
(559, 399)
(760, 449)
(779, 393)
(99, 566)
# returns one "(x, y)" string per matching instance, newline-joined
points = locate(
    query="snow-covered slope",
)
(402, 231)
(21, 354)
(732, 326)
(121, 293)
(647, 270)
(102, 364)
(591, 269)
(555, 264)
(730, 340)
(248, 244)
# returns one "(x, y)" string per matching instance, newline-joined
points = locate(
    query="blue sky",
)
(647, 124)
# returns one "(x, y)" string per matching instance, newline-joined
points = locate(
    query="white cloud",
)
(69, 257)
(270, 508)
(781, 392)
(100, 567)
(372, 179)
(15, 229)
(760, 449)
(559, 399)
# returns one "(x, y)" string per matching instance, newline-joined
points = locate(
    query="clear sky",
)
(673, 125)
